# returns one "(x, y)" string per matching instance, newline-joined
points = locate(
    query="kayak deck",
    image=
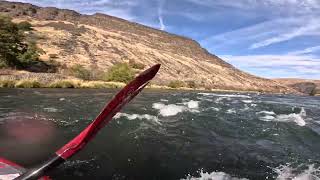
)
(10, 170)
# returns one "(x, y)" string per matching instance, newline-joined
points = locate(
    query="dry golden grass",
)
(28, 83)
(7, 84)
(68, 83)
(101, 84)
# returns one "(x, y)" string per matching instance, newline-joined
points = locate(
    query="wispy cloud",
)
(305, 51)
(305, 66)
(283, 7)
(160, 14)
(265, 33)
(303, 30)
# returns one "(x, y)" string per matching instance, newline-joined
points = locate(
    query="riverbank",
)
(24, 79)
(81, 84)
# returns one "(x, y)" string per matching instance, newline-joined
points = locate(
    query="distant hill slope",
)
(100, 41)
(306, 86)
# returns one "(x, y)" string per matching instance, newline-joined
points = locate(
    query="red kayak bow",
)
(79, 142)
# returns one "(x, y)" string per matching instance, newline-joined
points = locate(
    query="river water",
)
(166, 134)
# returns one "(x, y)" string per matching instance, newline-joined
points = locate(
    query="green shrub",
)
(176, 84)
(136, 65)
(119, 73)
(80, 72)
(30, 56)
(28, 84)
(3, 64)
(7, 84)
(24, 26)
(16, 50)
(64, 84)
(96, 73)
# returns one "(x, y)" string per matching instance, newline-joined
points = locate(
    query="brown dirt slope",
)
(306, 86)
(99, 41)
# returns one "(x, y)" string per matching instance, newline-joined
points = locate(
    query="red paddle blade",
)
(114, 106)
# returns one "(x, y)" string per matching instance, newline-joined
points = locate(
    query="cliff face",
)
(308, 87)
(100, 41)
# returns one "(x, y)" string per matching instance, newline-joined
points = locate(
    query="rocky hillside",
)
(98, 41)
(309, 87)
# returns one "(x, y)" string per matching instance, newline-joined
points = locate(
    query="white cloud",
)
(273, 6)
(305, 51)
(283, 20)
(274, 60)
(303, 30)
(274, 65)
(160, 14)
(266, 33)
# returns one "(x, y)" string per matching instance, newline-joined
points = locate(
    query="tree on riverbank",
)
(15, 50)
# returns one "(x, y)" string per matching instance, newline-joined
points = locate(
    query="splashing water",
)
(286, 172)
(137, 116)
(299, 118)
(174, 109)
(213, 176)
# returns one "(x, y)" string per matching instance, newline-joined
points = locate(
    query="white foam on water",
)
(137, 116)
(286, 172)
(164, 100)
(68, 122)
(192, 104)
(213, 176)
(253, 105)
(299, 118)
(219, 99)
(174, 109)
(158, 105)
(247, 101)
(51, 109)
(215, 109)
(246, 107)
(168, 110)
(205, 99)
(266, 112)
(73, 163)
(225, 95)
(231, 111)
(267, 118)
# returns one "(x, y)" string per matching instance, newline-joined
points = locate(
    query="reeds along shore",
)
(67, 83)
(81, 84)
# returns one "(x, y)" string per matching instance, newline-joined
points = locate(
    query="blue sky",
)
(269, 38)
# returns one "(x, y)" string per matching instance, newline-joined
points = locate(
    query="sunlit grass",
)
(7, 84)
(28, 83)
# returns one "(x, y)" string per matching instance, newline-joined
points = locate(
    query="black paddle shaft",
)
(36, 172)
